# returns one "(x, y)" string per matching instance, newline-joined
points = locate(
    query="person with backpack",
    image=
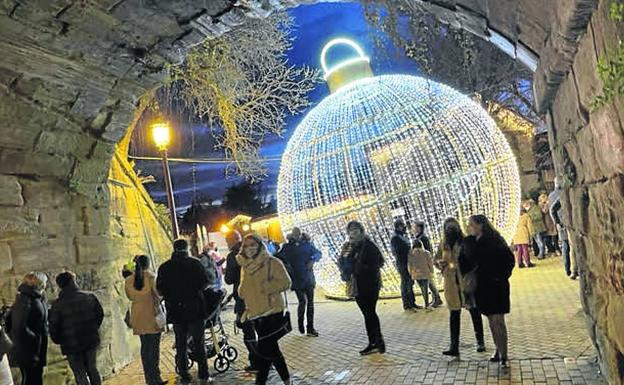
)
(299, 256)
(75, 320)
(27, 326)
(146, 317)
(360, 262)
(263, 281)
(181, 282)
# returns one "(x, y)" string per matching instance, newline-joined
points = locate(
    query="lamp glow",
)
(161, 135)
(387, 147)
(224, 229)
(246, 227)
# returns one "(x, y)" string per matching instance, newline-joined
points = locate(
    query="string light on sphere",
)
(386, 147)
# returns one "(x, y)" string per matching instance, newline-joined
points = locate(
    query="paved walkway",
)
(548, 343)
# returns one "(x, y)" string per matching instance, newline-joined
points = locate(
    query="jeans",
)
(305, 309)
(539, 241)
(251, 342)
(32, 375)
(424, 289)
(567, 262)
(150, 358)
(407, 291)
(523, 256)
(455, 324)
(269, 352)
(194, 330)
(84, 367)
(367, 304)
(434, 291)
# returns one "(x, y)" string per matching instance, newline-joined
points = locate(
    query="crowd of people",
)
(476, 268)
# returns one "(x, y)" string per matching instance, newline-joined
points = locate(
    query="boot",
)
(301, 327)
(454, 328)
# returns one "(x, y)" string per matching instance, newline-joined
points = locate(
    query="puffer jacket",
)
(299, 257)
(143, 310)
(263, 279)
(420, 264)
(27, 326)
(524, 231)
(75, 320)
(360, 266)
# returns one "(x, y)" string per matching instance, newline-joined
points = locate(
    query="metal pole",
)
(170, 200)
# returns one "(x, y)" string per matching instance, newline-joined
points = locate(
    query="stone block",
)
(10, 191)
(585, 70)
(35, 164)
(45, 193)
(608, 139)
(21, 123)
(567, 118)
(6, 262)
(42, 254)
(589, 154)
(615, 316)
(18, 221)
(605, 209)
(94, 249)
(64, 143)
(605, 30)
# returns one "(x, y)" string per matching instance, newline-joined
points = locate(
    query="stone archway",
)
(72, 73)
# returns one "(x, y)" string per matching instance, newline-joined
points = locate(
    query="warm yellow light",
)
(225, 229)
(246, 227)
(161, 135)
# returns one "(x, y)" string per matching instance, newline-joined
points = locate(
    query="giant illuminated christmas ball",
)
(386, 147)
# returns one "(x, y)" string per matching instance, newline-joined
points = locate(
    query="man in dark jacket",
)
(418, 233)
(232, 277)
(299, 256)
(75, 320)
(401, 246)
(181, 282)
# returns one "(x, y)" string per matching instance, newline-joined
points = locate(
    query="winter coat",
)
(299, 257)
(400, 246)
(555, 213)
(27, 326)
(75, 319)
(181, 282)
(524, 231)
(360, 266)
(447, 260)
(495, 262)
(263, 279)
(537, 219)
(144, 302)
(232, 277)
(420, 264)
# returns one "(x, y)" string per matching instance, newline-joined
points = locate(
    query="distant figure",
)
(419, 234)
(264, 279)
(75, 320)
(495, 262)
(420, 266)
(27, 326)
(299, 256)
(401, 245)
(141, 290)
(539, 227)
(181, 282)
(360, 264)
(569, 265)
(209, 259)
(232, 277)
(523, 239)
(458, 285)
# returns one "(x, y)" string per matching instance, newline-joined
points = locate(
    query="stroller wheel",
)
(221, 364)
(231, 353)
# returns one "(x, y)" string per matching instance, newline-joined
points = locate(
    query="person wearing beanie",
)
(181, 282)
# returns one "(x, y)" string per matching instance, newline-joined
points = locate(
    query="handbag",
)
(160, 315)
(286, 324)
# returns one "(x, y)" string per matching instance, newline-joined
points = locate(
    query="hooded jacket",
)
(27, 326)
(299, 257)
(75, 319)
(400, 245)
(181, 282)
(263, 279)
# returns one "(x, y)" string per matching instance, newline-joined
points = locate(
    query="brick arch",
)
(72, 74)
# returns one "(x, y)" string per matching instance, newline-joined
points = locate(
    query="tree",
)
(242, 85)
(245, 198)
(454, 56)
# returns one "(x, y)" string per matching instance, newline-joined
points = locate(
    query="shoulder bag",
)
(159, 311)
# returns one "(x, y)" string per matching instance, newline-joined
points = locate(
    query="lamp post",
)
(161, 136)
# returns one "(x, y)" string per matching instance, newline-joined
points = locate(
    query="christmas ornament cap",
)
(348, 70)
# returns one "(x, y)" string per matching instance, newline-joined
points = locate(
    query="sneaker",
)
(573, 276)
(370, 349)
(437, 302)
(301, 329)
(312, 333)
(521, 266)
(451, 352)
(495, 358)
(381, 348)
(503, 363)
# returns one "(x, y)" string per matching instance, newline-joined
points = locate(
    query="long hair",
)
(141, 263)
(452, 232)
(36, 279)
(486, 227)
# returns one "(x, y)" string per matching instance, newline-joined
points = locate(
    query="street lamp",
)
(161, 136)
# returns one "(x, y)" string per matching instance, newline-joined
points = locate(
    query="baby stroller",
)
(216, 340)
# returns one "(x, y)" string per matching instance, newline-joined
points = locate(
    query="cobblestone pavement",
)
(547, 337)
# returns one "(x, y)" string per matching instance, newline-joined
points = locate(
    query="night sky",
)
(315, 25)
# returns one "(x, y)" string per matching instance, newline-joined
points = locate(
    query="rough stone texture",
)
(71, 75)
(592, 144)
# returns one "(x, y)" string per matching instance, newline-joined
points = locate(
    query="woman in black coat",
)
(28, 328)
(494, 261)
(360, 263)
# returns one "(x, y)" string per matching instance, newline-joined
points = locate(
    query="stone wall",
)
(588, 149)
